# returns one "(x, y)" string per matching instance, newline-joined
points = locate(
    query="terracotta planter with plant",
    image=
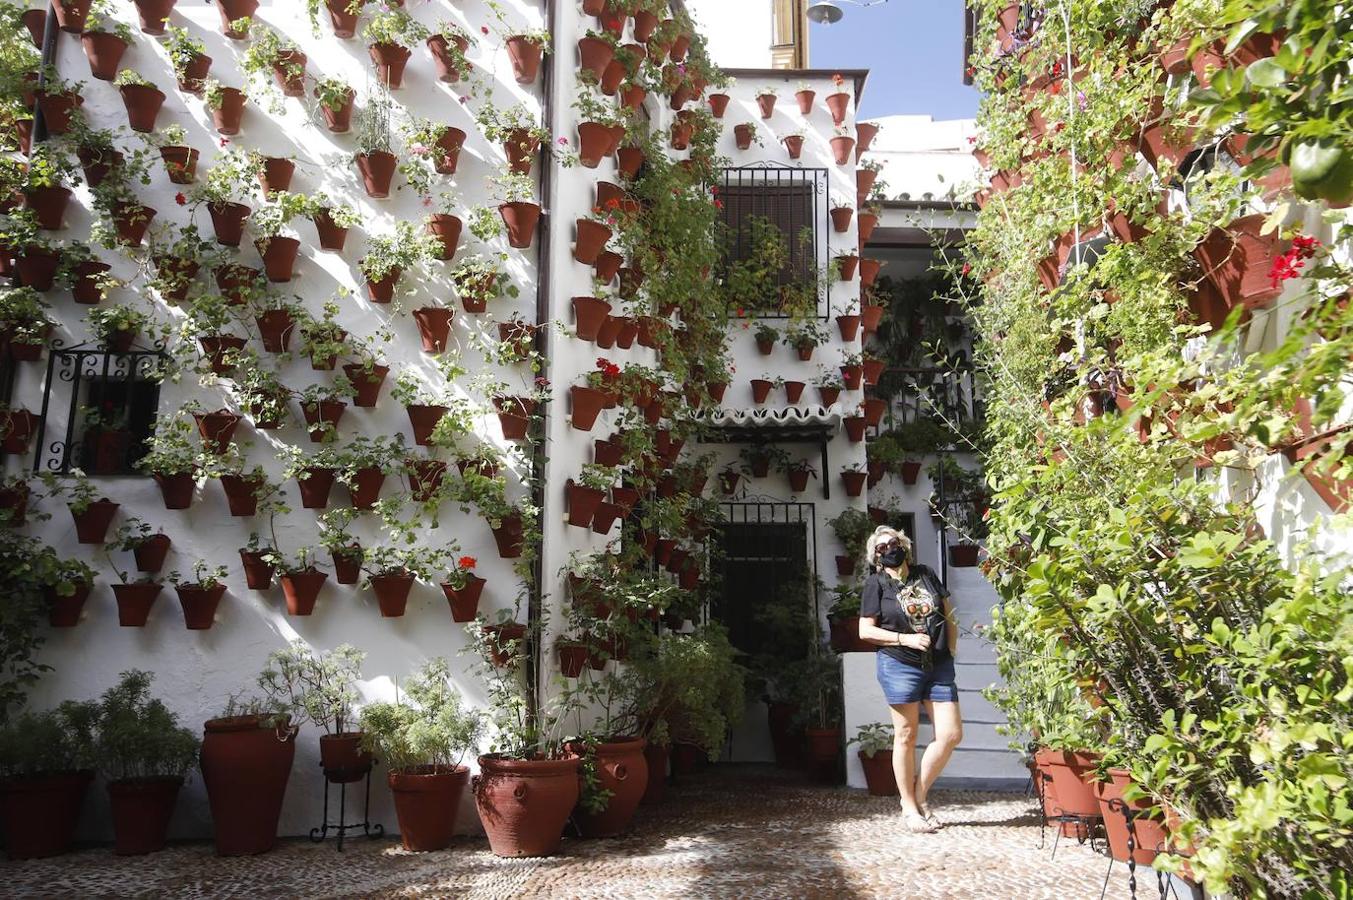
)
(524, 804)
(767, 104)
(1238, 260)
(464, 601)
(525, 55)
(104, 50)
(589, 313)
(91, 523)
(39, 812)
(134, 602)
(228, 113)
(366, 383)
(389, 60)
(300, 590)
(246, 763)
(199, 603)
(718, 104)
(258, 572)
(143, 102)
(622, 770)
(521, 219)
(377, 169)
(227, 221)
(392, 593)
(592, 238)
(434, 327)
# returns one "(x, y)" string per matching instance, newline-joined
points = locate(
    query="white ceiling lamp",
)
(828, 12)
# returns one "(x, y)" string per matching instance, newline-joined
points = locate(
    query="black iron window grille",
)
(931, 393)
(792, 200)
(98, 409)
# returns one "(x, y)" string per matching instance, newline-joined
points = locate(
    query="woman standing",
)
(907, 613)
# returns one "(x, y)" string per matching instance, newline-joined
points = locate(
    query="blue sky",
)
(913, 49)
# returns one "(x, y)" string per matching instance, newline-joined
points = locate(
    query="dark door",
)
(766, 602)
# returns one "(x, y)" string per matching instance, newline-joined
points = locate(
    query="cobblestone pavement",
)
(732, 832)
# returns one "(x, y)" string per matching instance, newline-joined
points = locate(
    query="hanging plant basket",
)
(134, 602)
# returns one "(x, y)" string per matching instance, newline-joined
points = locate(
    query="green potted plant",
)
(105, 40)
(423, 737)
(375, 158)
(388, 256)
(173, 462)
(852, 528)
(463, 588)
(389, 35)
(144, 755)
(226, 105)
(189, 59)
(274, 60)
(45, 760)
(876, 758)
(229, 181)
(142, 99)
(268, 223)
(321, 688)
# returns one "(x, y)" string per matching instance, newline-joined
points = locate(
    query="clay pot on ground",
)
(878, 774)
(378, 170)
(524, 804)
(301, 590)
(141, 809)
(1071, 774)
(134, 602)
(38, 813)
(246, 764)
(426, 800)
(621, 769)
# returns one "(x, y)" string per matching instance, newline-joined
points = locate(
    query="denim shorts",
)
(903, 683)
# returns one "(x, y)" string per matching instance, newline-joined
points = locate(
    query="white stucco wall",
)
(738, 31)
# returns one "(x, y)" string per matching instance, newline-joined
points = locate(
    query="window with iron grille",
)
(793, 202)
(99, 410)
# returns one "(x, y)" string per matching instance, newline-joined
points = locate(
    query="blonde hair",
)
(880, 533)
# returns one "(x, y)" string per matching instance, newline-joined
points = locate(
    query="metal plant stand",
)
(343, 777)
(1085, 825)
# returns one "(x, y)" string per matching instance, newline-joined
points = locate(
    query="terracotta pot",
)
(331, 235)
(524, 804)
(86, 289)
(92, 525)
(465, 601)
(855, 426)
(910, 470)
(786, 741)
(104, 50)
(390, 60)
(589, 313)
(64, 612)
(347, 564)
(57, 109)
(629, 160)
(130, 221)
(314, 484)
(383, 290)
(71, 15)
(592, 237)
(521, 220)
(854, 482)
(288, 71)
(878, 774)
(275, 327)
(377, 170)
(869, 271)
(446, 64)
(342, 758)
(824, 744)
(718, 104)
(143, 104)
(509, 537)
(582, 503)
(180, 163)
(839, 106)
(368, 386)
(423, 419)
(520, 147)
(806, 99)
(426, 800)
(846, 266)
(594, 55)
(366, 487)
(514, 415)
(761, 390)
(798, 480)
(37, 267)
(525, 56)
(425, 478)
(1237, 260)
(767, 104)
(339, 121)
(743, 134)
(193, 73)
(573, 658)
(655, 787)
(233, 10)
(322, 418)
(587, 404)
(141, 809)
(301, 590)
(227, 117)
(434, 327)
(227, 221)
(622, 769)
(240, 494)
(841, 216)
(1070, 774)
(134, 602)
(1148, 834)
(38, 813)
(150, 553)
(176, 489)
(216, 429)
(199, 604)
(258, 573)
(841, 149)
(645, 23)
(245, 768)
(392, 593)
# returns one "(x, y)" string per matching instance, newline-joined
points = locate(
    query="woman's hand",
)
(916, 641)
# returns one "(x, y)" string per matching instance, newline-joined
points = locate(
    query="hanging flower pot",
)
(592, 237)
(446, 155)
(839, 105)
(378, 170)
(392, 593)
(798, 478)
(587, 404)
(521, 219)
(841, 149)
(805, 98)
(718, 104)
(275, 328)
(321, 419)
(288, 71)
(91, 525)
(57, 109)
(434, 327)
(226, 116)
(348, 562)
(64, 612)
(524, 804)
(504, 642)
(869, 271)
(425, 478)
(514, 415)
(446, 63)
(104, 50)
(276, 174)
(854, 482)
(365, 488)
(332, 236)
(216, 429)
(180, 163)
(525, 56)
(193, 72)
(389, 60)
(315, 483)
(645, 23)
(143, 102)
(130, 221)
(134, 602)
(301, 590)
(594, 55)
(573, 657)
(794, 391)
(339, 119)
(873, 370)
(761, 390)
(36, 267)
(423, 419)
(258, 571)
(246, 762)
(841, 216)
(367, 384)
(71, 15)
(608, 332)
(589, 313)
(241, 494)
(279, 257)
(582, 503)
(509, 536)
(1238, 260)
(383, 290)
(855, 426)
(743, 134)
(520, 147)
(767, 104)
(176, 489)
(199, 604)
(227, 221)
(464, 601)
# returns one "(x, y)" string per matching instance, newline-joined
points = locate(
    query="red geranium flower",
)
(466, 562)
(180, 199)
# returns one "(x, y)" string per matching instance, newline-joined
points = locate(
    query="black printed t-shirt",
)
(885, 600)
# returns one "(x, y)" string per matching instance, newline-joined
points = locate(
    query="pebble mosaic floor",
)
(728, 832)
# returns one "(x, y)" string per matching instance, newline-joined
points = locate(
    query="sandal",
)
(930, 816)
(918, 824)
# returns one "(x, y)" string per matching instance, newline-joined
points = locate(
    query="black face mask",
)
(893, 558)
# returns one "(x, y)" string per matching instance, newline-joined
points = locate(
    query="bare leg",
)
(905, 716)
(948, 722)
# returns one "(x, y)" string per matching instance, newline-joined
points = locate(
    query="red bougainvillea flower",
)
(466, 562)
(180, 199)
(718, 204)
(563, 142)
